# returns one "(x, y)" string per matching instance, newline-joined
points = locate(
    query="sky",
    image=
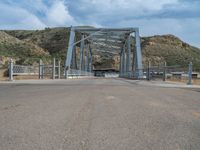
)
(153, 17)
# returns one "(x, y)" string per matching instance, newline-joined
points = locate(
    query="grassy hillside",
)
(156, 49)
(12, 46)
(170, 49)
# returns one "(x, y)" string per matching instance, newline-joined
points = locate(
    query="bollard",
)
(40, 69)
(148, 71)
(164, 71)
(190, 74)
(11, 70)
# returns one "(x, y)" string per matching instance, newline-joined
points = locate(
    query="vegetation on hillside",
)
(54, 42)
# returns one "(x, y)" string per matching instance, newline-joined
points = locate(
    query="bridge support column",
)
(120, 65)
(128, 56)
(69, 52)
(138, 54)
(123, 61)
(88, 58)
(90, 61)
(81, 66)
(74, 61)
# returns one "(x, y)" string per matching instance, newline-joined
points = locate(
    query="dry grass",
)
(29, 77)
(2, 77)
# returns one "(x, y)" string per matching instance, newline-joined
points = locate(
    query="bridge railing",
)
(79, 73)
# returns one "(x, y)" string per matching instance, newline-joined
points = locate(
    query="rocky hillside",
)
(170, 49)
(54, 42)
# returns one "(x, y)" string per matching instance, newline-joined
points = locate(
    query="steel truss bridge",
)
(116, 41)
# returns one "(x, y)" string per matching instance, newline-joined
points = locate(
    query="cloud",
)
(179, 17)
(186, 29)
(18, 18)
(34, 14)
(58, 15)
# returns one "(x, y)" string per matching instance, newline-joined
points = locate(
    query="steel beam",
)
(105, 40)
(139, 65)
(82, 53)
(128, 60)
(87, 59)
(107, 45)
(106, 29)
(108, 37)
(69, 52)
(104, 51)
(90, 66)
(120, 65)
(74, 61)
(124, 60)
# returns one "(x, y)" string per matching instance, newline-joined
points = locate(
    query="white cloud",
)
(18, 18)
(58, 15)
(186, 29)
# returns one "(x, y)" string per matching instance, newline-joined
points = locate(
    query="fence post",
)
(148, 71)
(53, 68)
(190, 74)
(164, 71)
(59, 69)
(11, 70)
(40, 69)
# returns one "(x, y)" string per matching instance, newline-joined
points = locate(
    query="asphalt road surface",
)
(98, 114)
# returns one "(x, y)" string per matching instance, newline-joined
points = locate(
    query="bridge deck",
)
(99, 114)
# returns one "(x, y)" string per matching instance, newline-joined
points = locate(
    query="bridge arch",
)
(108, 40)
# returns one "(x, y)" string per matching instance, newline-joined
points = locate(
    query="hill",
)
(54, 41)
(170, 49)
(12, 46)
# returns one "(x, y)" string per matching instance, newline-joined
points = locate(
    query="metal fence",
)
(45, 71)
(25, 70)
(166, 73)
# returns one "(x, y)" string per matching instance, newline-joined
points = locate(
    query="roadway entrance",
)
(109, 40)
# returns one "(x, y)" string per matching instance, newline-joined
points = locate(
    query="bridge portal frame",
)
(106, 40)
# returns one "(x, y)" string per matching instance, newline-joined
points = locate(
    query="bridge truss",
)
(116, 41)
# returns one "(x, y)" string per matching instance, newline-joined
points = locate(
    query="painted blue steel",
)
(70, 50)
(90, 64)
(88, 58)
(128, 67)
(106, 29)
(120, 65)
(82, 53)
(139, 66)
(125, 58)
(74, 59)
(123, 61)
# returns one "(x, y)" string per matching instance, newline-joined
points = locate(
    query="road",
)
(98, 114)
